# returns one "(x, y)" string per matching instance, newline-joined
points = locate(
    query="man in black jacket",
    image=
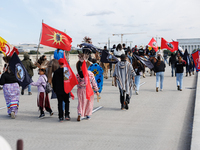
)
(58, 87)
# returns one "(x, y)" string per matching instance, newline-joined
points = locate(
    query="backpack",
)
(48, 87)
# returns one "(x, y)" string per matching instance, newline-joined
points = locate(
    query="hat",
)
(61, 61)
(141, 47)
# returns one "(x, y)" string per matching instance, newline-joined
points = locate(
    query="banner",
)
(196, 59)
(70, 79)
(6, 48)
(106, 57)
(145, 61)
(153, 44)
(20, 72)
(89, 91)
(54, 38)
(172, 46)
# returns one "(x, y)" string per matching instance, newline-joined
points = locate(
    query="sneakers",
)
(29, 93)
(126, 105)
(157, 89)
(12, 115)
(41, 116)
(136, 92)
(22, 92)
(180, 89)
(79, 118)
(51, 113)
(60, 119)
(161, 90)
(67, 118)
(88, 117)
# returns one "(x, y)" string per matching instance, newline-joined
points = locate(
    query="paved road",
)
(155, 121)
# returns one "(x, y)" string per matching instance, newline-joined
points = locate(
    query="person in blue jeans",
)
(159, 68)
(172, 61)
(138, 68)
(179, 72)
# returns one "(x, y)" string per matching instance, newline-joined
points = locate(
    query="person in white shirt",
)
(118, 51)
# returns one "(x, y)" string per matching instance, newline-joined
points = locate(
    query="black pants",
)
(61, 98)
(124, 98)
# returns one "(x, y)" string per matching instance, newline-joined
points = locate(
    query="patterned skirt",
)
(11, 94)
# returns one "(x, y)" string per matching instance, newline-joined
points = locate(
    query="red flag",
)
(196, 59)
(89, 91)
(55, 38)
(153, 44)
(172, 46)
(69, 77)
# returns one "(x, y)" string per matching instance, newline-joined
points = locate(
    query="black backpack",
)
(48, 87)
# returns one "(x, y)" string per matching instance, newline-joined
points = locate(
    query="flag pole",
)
(39, 44)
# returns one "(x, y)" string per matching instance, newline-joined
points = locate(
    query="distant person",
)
(113, 48)
(43, 97)
(135, 50)
(165, 57)
(58, 88)
(124, 77)
(138, 68)
(160, 52)
(11, 91)
(141, 51)
(29, 66)
(179, 72)
(152, 53)
(147, 51)
(124, 48)
(172, 61)
(118, 51)
(58, 53)
(159, 68)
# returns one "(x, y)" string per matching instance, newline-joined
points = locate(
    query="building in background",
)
(189, 44)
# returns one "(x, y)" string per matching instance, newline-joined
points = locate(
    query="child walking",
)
(85, 106)
(42, 98)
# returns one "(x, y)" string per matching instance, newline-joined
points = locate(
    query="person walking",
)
(11, 91)
(42, 98)
(85, 106)
(29, 66)
(172, 61)
(58, 87)
(138, 68)
(179, 72)
(159, 68)
(124, 77)
(118, 51)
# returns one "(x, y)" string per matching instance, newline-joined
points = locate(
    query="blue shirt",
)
(58, 55)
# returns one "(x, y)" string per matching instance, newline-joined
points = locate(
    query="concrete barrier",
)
(73, 58)
(195, 142)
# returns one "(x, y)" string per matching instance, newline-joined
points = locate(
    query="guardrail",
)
(73, 58)
(195, 144)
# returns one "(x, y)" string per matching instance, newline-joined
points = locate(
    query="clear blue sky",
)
(99, 19)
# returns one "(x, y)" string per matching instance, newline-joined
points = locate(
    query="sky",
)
(21, 20)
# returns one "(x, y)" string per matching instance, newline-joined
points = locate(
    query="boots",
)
(178, 87)
(157, 89)
(190, 73)
(193, 72)
(186, 74)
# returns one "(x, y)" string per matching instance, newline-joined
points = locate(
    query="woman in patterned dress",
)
(11, 91)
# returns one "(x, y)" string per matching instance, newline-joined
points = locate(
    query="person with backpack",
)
(43, 98)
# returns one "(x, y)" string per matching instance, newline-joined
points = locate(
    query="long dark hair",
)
(119, 47)
(158, 60)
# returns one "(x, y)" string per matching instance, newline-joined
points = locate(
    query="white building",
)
(189, 44)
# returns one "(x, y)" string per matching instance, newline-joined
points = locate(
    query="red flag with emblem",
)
(153, 44)
(196, 59)
(89, 91)
(70, 79)
(54, 38)
(7, 48)
(172, 46)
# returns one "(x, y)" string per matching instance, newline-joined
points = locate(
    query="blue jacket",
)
(58, 55)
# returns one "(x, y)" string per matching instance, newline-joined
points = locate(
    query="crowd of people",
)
(127, 74)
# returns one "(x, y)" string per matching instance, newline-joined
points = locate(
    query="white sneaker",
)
(13, 115)
(136, 92)
(160, 89)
